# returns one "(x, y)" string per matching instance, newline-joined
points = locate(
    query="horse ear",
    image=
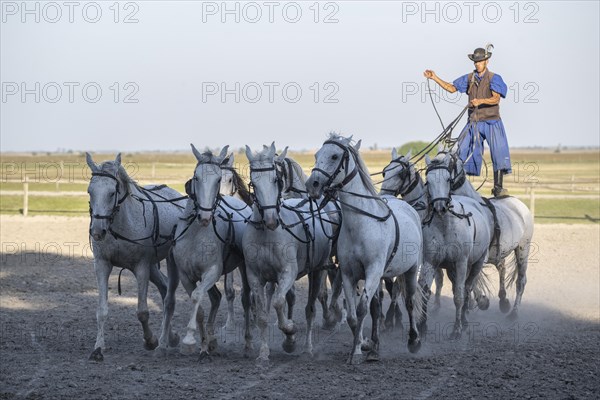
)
(394, 153)
(228, 161)
(408, 155)
(357, 145)
(118, 159)
(90, 162)
(427, 159)
(196, 152)
(224, 151)
(272, 149)
(281, 157)
(249, 154)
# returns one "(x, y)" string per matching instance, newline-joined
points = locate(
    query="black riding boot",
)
(498, 190)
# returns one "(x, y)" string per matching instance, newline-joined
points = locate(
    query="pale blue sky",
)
(374, 56)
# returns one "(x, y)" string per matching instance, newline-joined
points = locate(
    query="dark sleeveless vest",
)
(482, 90)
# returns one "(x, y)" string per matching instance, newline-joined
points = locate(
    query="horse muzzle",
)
(98, 234)
(204, 217)
(314, 187)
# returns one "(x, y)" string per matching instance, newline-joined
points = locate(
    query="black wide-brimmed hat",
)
(479, 55)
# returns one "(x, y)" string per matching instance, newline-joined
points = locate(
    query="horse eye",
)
(334, 157)
(383, 174)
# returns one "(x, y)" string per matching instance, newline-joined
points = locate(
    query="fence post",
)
(25, 195)
(532, 201)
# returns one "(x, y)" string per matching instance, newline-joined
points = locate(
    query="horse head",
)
(399, 175)
(335, 165)
(204, 186)
(108, 188)
(441, 173)
(267, 181)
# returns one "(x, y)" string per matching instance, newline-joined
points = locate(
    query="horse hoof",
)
(173, 340)
(355, 359)
(187, 348)
(212, 345)
(455, 335)
(289, 329)
(366, 345)
(204, 356)
(97, 355)
(329, 324)
(373, 355)
(513, 316)
(161, 351)
(151, 344)
(307, 355)
(504, 305)
(289, 345)
(483, 303)
(414, 346)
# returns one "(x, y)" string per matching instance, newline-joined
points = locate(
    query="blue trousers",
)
(471, 146)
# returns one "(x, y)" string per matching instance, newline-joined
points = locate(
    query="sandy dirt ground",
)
(48, 303)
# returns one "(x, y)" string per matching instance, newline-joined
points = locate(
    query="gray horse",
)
(380, 237)
(130, 228)
(456, 241)
(513, 231)
(284, 242)
(207, 244)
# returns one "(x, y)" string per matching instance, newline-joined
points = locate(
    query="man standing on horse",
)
(484, 89)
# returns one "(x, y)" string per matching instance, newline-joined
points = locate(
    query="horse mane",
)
(242, 187)
(363, 172)
(119, 171)
(298, 171)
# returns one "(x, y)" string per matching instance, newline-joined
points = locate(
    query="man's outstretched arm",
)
(445, 85)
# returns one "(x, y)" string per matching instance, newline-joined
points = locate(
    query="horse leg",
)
(504, 302)
(209, 278)
(458, 289)
(290, 298)
(425, 280)
(142, 275)
(391, 312)
(168, 338)
(375, 309)
(215, 300)
(103, 269)
(323, 297)
(315, 286)
(230, 296)
(412, 307)
(439, 283)
(522, 254)
(335, 314)
(246, 306)
(269, 289)
(161, 282)
(286, 325)
(257, 288)
(350, 294)
(473, 274)
(372, 283)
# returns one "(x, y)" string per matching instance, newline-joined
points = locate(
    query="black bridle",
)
(406, 185)
(456, 178)
(190, 189)
(342, 166)
(279, 180)
(117, 202)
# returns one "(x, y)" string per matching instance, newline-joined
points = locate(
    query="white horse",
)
(207, 244)
(130, 228)
(401, 178)
(284, 243)
(513, 232)
(379, 237)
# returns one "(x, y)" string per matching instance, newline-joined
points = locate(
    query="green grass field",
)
(568, 172)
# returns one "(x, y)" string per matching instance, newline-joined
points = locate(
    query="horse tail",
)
(482, 285)
(418, 298)
(511, 270)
